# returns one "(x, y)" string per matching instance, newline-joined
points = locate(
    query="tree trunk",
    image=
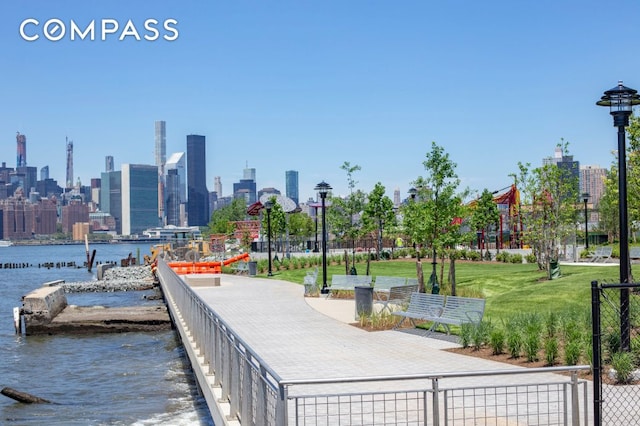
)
(452, 275)
(346, 263)
(420, 276)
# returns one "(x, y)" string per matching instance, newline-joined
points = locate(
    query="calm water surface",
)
(110, 379)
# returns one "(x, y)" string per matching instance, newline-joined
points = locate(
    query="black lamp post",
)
(269, 205)
(323, 188)
(620, 100)
(585, 199)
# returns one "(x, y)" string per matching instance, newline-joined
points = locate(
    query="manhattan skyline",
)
(292, 86)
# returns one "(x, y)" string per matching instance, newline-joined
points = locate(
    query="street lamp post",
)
(323, 188)
(269, 205)
(620, 101)
(585, 199)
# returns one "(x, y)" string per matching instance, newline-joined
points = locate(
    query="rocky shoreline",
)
(129, 278)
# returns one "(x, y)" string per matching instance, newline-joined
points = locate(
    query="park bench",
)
(241, 267)
(398, 296)
(455, 311)
(602, 254)
(421, 306)
(348, 283)
(310, 282)
(634, 253)
(383, 284)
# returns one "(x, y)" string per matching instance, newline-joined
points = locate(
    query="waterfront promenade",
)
(309, 340)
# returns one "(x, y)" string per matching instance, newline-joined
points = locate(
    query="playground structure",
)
(510, 224)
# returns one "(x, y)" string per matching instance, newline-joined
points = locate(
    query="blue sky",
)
(308, 85)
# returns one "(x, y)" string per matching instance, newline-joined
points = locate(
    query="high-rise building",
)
(396, 197)
(161, 157)
(161, 142)
(108, 163)
(139, 198)
(291, 185)
(74, 212)
(177, 161)
(111, 197)
(592, 182)
(197, 193)
(44, 173)
(245, 189)
(249, 173)
(21, 150)
(69, 181)
(172, 197)
(217, 186)
(571, 168)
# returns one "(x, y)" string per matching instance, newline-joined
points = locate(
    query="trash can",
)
(364, 301)
(554, 269)
(253, 268)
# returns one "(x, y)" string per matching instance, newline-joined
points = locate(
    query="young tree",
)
(221, 219)
(484, 215)
(378, 213)
(344, 216)
(551, 193)
(278, 220)
(432, 216)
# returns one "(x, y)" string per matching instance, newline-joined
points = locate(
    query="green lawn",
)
(509, 289)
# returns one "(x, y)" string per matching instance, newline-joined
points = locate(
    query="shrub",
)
(503, 256)
(514, 340)
(551, 350)
(516, 258)
(481, 334)
(473, 255)
(622, 363)
(572, 350)
(531, 258)
(466, 334)
(551, 324)
(497, 340)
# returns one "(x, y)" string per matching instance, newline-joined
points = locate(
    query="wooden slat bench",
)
(398, 296)
(421, 305)
(348, 283)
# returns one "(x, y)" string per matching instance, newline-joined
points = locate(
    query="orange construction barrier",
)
(214, 267)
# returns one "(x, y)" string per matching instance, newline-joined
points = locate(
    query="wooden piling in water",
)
(23, 396)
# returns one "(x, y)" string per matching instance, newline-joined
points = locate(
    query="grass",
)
(509, 289)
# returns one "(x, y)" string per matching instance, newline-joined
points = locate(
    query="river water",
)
(107, 379)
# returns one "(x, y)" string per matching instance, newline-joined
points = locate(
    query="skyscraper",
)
(161, 143)
(44, 173)
(592, 182)
(217, 186)
(172, 197)
(111, 196)
(21, 150)
(69, 181)
(139, 198)
(176, 162)
(291, 185)
(161, 154)
(108, 163)
(197, 193)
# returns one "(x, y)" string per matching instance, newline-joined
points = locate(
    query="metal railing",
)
(257, 395)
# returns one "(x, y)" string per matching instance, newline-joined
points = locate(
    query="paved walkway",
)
(310, 338)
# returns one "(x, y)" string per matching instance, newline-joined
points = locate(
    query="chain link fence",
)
(616, 355)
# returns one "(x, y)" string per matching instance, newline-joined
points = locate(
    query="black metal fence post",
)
(595, 327)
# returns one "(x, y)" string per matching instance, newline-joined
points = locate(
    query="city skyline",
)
(309, 86)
